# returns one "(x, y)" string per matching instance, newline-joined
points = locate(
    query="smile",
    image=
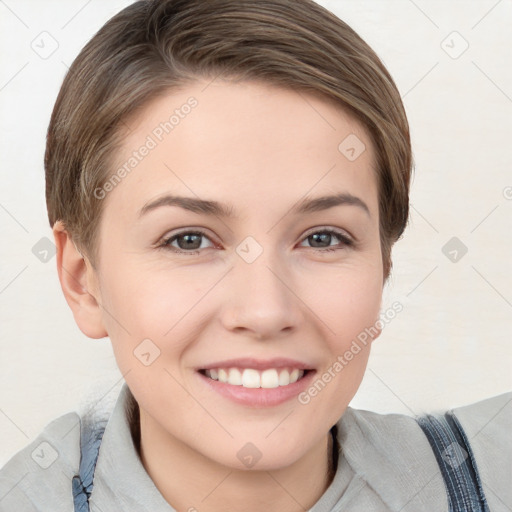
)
(257, 383)
(252, 378)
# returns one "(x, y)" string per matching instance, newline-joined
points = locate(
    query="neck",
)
(189, 481)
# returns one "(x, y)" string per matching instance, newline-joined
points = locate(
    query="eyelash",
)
(344, 239)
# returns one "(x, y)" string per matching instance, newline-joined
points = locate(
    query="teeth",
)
(250, 378)
(269, 379)
(235, 377)
(284, 378)
(294, 376)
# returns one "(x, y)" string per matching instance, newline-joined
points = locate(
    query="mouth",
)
(257, 383)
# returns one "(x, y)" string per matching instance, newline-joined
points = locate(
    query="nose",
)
(259, 299)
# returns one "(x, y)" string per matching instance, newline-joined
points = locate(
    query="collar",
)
(120, 480)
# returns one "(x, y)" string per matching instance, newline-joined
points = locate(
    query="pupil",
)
(324, 237)
(190, 241)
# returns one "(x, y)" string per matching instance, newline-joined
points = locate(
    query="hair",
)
(153, 47)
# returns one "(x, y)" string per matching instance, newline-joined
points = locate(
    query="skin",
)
(260, 149)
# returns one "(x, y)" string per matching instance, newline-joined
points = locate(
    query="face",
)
(204, 303)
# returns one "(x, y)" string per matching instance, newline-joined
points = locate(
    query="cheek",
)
(141, 304)
(350, 309)
(151, 325)
(350, 303)
(151, 299)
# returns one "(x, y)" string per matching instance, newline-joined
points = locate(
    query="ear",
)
(78, 282)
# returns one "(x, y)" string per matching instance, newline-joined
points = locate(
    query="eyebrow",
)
(202, 206)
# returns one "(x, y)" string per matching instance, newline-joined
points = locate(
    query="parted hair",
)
(153, 47)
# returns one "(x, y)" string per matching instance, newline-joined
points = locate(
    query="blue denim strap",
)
(90, 440)
(456, 461)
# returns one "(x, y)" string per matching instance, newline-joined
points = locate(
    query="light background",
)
(451, 344)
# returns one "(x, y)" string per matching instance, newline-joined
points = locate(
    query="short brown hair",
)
(152, 47)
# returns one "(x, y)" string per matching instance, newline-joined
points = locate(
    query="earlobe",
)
(74, 275)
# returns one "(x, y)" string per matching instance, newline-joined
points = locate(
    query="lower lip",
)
(259, 397)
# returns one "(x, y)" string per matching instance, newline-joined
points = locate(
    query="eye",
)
(320, 240)
(189, 242)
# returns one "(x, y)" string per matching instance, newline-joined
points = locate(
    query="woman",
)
(225, 182)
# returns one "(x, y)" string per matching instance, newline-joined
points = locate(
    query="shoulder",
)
(486, 421)
(393, 458)
(39, 476)
(491, 414)
(487, 425)
(392, 441)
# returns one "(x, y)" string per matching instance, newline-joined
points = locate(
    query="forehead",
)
(247, 144)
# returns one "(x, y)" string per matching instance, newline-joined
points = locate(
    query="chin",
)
(261, 454)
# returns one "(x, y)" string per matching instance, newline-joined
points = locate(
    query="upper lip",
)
(258, 364)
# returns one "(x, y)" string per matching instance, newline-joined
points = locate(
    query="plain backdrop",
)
(451, 344)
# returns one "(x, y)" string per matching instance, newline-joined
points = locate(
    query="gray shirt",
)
(385, 464)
